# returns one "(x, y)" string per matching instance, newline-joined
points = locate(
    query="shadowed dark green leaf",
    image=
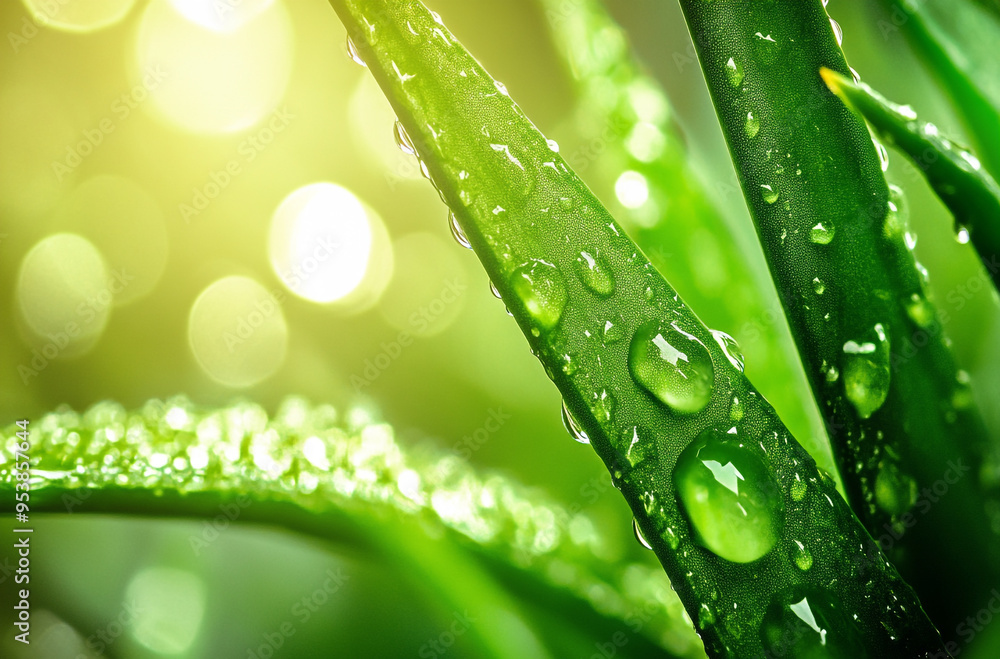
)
(898, 410)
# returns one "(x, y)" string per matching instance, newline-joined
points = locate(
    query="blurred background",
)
(212, 203)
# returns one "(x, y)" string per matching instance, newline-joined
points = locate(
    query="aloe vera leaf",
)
(650, 387)
(897, 408)
(955, 174)
(679, 228)
(309, 470)
(957, 42)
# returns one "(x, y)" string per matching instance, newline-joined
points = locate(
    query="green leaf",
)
(651, 387)
(898, 410)
(506, 548)
(957, 42)
(955, 174)
(626, 118)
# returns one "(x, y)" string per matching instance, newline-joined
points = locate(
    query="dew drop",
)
(855, 75)
(730, 348)
(895, 491)
(553, 145)
(573, 427)
(595, 273)
(670, 537)
(866, 371)
(818, 285)
(919, 310)
(495, 291)
(801, 556)
(822, 234)
(752, 125)
(705, 616)
(639, 536)
(769, 194)
(962, 235)
(734, 71)
(732, 502)
(566, 203)
(672, 365)
(838, 32)
(883, 155)
(352, 51)
(603, 405)
(542, 290)
(636, 444)
(403, 140)
(798, 490)
(457, 232)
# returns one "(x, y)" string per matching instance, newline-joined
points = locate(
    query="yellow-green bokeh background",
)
(278, 72)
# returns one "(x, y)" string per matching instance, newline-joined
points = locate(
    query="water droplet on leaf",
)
(734, 71)
(672, 365)
(573, 427)
(403, 140)
(457, 232)
(595, 273)
(867, 371)
(751, 126)
(732, 501)
(639, 536)
(822, 234)
(542, 290)
(730, 348)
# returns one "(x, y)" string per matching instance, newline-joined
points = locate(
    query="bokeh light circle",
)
(237, 332)
(326, 246)
(65, 294)
(126, 224)
(430, 287)
(211, 80)
(78, 15)
(169, 607)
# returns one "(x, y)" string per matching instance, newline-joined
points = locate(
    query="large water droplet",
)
(751, 126)
(672, 365)
(806, 622)
(495, 291)
(734, 71)
(818, 285)
(895, 491)
(822, 233)
(730, 348)
(573, 427)
(612, 330)
(457, 232)
(542, 290)
(732, 501)
(403, 140)
(867, 371)
(639, 536)
(352, 50)
(595, 273)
